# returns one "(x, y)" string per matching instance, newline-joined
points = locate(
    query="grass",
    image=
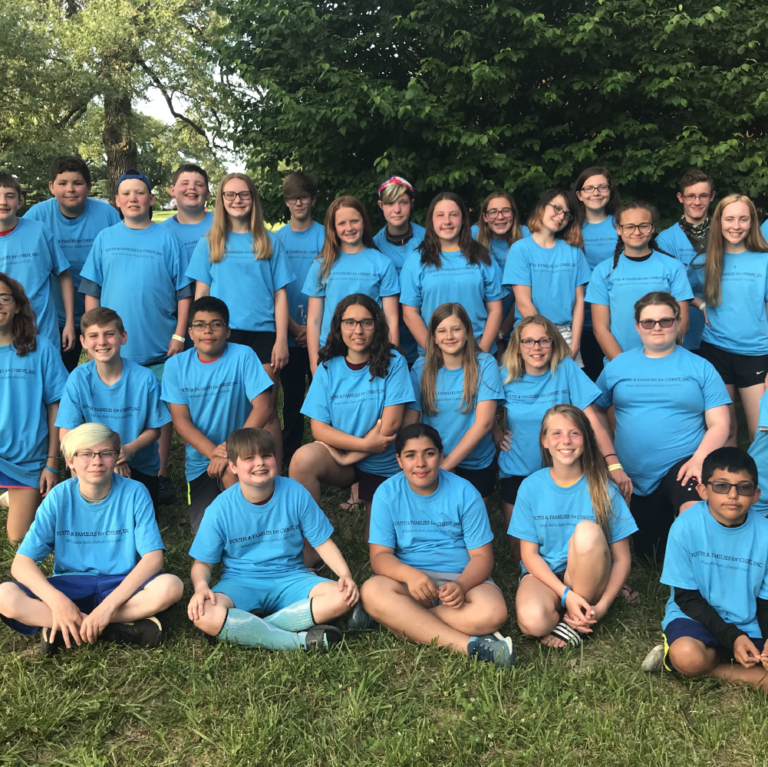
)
(376, 700)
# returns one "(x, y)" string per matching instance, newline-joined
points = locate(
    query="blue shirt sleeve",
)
(279, 265)
(210, 540)
(316, 404)
(315, 526)
(597, 290)
(390, 285)
(147, 533)
(522, 525)
(622, 523)
(171, 390)
(681, 286)
(416, 371)
(158, 413)
(200, 264)
(313, 285)
(583, 391)
(256, 380)
(517, 270)
(54, 372)
(58, 259)
(92, 268)
(474, 520)
(678, 570)
(605, 400)
(410, 282)
(398, 389)
(382, 532)
(40, 540)
(713, 388)
(489, 386)
(492, 290)
(70, 413)
(583, 272)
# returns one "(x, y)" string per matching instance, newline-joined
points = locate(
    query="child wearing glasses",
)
(241, 262)
(547, 271)
(537, 372)
(717, 572)
(734, 299)
(637, 267)
(108, 581)
(211, 390)
(671, 411)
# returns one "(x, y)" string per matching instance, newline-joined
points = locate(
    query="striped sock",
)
(244, 628)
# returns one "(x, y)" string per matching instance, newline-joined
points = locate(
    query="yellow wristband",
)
(614, 466)
(178, 338)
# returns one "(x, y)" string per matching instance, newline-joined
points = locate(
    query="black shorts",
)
(202, 491)
(261, 341)
(509, 488)
(739, 370)
(483, 480)
(151, 483)
(367, 484)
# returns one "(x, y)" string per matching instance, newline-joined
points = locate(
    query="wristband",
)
(614, 466)
(54, 471)
(178, 338)
(605, 456)
(565, 593)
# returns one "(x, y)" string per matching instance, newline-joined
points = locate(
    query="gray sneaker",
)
(654, 661)
(360, 620)
(493, 648)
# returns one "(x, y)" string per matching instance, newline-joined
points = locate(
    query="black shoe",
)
(166, 494)
(322, 637)
(144, 633)
(46, 646)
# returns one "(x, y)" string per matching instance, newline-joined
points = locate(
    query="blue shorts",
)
(86, 591)
(9, 482)
(687, 627)
(268, 594)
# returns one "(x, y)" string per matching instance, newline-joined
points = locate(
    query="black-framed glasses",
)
(664, 322)
(230, 196)
(304, 200)
(561, 211)
(89, 455)
(496, 212)
(365, 324)
(694, 197)
(6, 298)
(721, 487)
(213, 325)
(602, 188)
(529, 343)
(644, 228)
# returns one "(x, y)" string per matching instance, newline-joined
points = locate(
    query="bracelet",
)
(565, 593)
(178, 338)
(53, 456)
(605, 456)
(615, 466)
(54, 471)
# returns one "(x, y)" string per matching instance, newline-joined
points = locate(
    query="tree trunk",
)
(118, 144)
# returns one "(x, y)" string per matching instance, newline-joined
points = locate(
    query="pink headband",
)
(397, 181)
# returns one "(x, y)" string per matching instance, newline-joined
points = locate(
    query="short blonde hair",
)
(86, 436)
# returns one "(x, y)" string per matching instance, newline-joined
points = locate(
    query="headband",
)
(398, 181)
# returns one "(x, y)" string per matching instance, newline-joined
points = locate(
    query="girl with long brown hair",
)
(574, 530)
(32, 380)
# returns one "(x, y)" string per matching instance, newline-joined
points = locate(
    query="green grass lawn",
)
(375, 700)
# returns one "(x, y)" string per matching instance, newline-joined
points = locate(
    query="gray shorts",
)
(439, 579)
(567, 334)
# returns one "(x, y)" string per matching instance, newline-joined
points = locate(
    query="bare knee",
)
(534, 618)
(487, 617)
(212, 622)
(303, 463)
(169, 589)
(375, 593)
(691, 658)
(587, 537)
(10, 599)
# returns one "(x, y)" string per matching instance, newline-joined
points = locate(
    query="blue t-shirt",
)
(759, 452)
(553, 275)
(675, 241)
(368, 272)
(547, 514)
(498, 250)
(349, 401)
(31, 255)
(430, 532)
(739, 324)
(527, 399)
(302, 248)
(27, 385)
(599, 244)
(188, 236)
(261, 541)
(632, 279)
(137, 272)
(105, 538)
(426, 287)
(218, 394)
(660, 404)
(399, 254)
(246, 285)
(128, 407)
(75, 237)
(764, 229)
(451, 423)
(727, 565)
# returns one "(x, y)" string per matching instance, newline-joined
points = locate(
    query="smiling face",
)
(641, 222)
(696, 199)
(357, 328)
(190, 192)
(729, 508)
(658, 339)
(563, 440)
(255, 470)
(92, 465)
(534, 351)
(499, 216)
(736, 221)
(555, 216)
(420, 462)
(103, 342)
(134, 200)
(10, 202)
(451, 335)
(446, 220)
(349, 226)
(8, 309)
(70, 191)
(595, 193)
(209, 334)
(238, 208)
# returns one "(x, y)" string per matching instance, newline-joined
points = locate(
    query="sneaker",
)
(166, 494)
(144, 633)
(322, 637)
(493, 648)
(4, 500)
(361, 621)
(46, 646)
(654, 661)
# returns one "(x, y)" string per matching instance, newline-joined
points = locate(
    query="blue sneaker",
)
(361, 621)
(493, 648)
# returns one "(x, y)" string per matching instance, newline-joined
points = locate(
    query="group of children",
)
(560, 357)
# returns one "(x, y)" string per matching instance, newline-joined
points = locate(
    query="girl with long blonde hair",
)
(574, 530)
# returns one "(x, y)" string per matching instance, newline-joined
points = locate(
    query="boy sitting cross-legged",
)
(108, 556)
(717, 567)
(257, 529)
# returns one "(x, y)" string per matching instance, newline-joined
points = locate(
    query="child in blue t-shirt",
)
(399, 240)
(74, 219)
(32, 379)
(348, 263)
(108, 556)
(118, 393)
(574, 530)
(257, 530)
(452, 268)
(431, 554)
(636, 268)
(302, 239)
(457, 390)
(212, 390)
(548, 271)
(30, 254)
(759, 452)
(717, 569)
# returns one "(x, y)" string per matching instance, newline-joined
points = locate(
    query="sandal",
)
(629, 594)
(570, 636)
(352, 505)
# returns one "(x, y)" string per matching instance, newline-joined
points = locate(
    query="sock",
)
(295, 617)
(246, 629)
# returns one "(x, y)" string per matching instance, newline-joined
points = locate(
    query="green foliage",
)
(472, 96)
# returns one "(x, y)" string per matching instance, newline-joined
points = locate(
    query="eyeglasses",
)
(603, 189)
(214, 325)
(230, 196)
(365, 324)
(724, 488)
(89, 455)
(694, 197)
(529, 343)
(297, 200)
(561, 211)
(6, 298)
(496, 212)
(665, 322)
(630, 228)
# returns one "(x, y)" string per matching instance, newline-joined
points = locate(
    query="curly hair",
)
(25, 322)
(380, 350)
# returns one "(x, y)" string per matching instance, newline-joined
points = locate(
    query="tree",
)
(472, 96)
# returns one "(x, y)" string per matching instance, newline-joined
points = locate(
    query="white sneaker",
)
(4, 500)
(654, 661)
